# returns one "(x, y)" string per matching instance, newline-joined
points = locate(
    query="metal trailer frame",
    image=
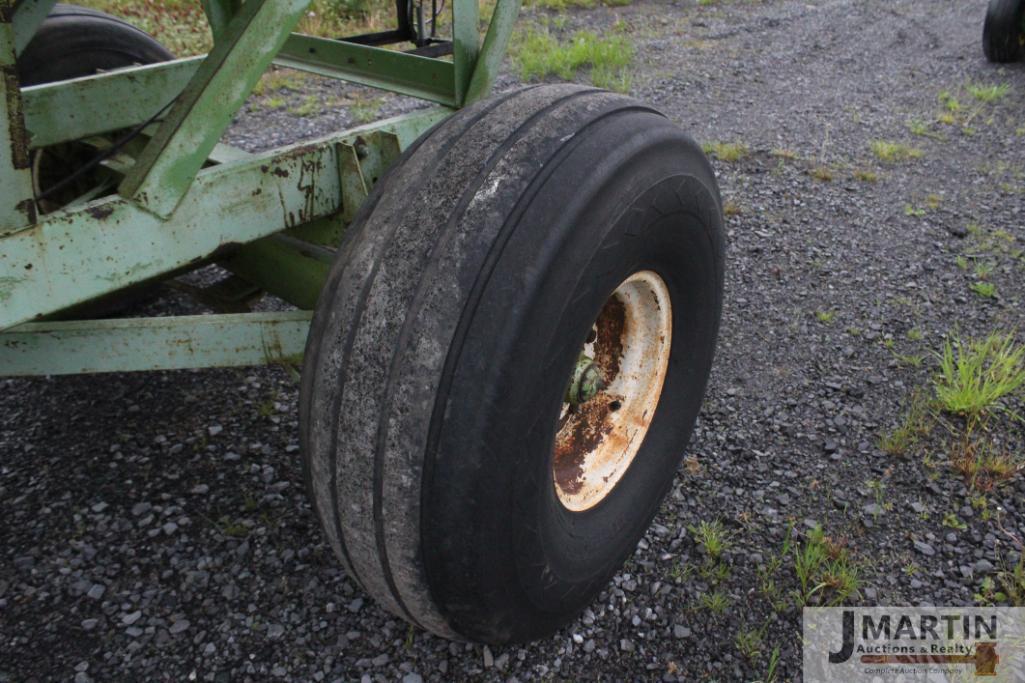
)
(273, 219)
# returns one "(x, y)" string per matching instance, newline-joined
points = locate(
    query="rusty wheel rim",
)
(598, 438)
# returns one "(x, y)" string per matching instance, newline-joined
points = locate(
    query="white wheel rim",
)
(598, 440)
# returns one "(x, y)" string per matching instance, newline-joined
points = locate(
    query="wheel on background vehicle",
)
(508, 357)
(1003, 36)
(73, 42)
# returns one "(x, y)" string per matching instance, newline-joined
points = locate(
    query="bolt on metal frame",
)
(273, 219)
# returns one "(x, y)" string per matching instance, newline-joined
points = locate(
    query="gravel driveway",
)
(155, 526)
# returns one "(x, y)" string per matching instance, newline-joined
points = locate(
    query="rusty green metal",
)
(71, 110)
(219, 14)
(406, 74)
(273, 219)
(167, 343)
(28, 15)
(17, 208)
(585, 382)
(75, 255)
(496, 43)
(201, 114)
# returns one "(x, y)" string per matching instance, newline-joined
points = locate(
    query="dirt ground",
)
(156, 527)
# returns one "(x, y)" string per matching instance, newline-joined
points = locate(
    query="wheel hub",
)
(613, 392)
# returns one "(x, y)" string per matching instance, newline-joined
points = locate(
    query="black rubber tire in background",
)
(76, 41)
(1003, 33)
(445, 336)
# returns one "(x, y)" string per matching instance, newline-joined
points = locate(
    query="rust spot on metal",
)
(27, 207)
(15, 119)
(582, 431)
(100, 212)
(608, 344)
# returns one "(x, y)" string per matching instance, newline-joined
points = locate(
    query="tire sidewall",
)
(650, 205)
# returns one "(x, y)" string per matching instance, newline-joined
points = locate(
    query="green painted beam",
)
(28, 15)
(496, 42)
(75, 255)
(170, 343)
(17, 206)
(203, 111)
(219, 14)
(465, 43)
(284, 266)
(413, 75)
(78, 108)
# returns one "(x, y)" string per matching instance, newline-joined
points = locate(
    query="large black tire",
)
(75, 41)
(441, 346)
(1003, 35)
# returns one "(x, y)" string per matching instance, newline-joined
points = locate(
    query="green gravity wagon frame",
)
(180, 199)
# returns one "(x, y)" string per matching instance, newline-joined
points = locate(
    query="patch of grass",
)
(181, 27)
(749, 643)
(914, 211)
(716, 602)
(893, 152)
(822, 173)
(731, 208)
(366, 109)
(540, 54)
(975, 376)
(952, 521)
(575, 4)
(865, 175)
(910, 360)
(988, 93)
(770, 673)
(309, 106)
(233, 528)
(987, 290)
(949, 102)
(825, 317)
(726, 151)
(1013, 583)
(825, 572)
(783, 153)
(922, 129)
(274, 102)
(712, 537)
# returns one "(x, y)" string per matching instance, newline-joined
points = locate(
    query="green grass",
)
(988, 93)
(987, 290)
(1013, 583)
(180, 25)
(825, 317)
(309, 106)
(726, 151)
(712, 537)
(825, 572)
(822, 173)
(539, 54)
(366, 109)
(716, 602)
(865, 176)
(975, 376)
(575, 4)
(893, 152)
(749, 643)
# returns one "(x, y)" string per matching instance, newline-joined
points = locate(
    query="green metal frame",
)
(273, 219)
